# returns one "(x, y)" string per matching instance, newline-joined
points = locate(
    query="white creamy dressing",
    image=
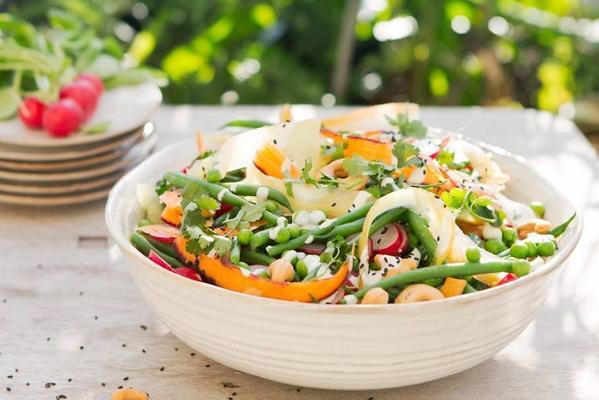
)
(360, 200)
(491, 232)
(261, 194)
(312, 262)
(221, 194)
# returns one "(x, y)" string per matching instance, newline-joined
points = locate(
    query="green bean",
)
(421, 231)
(301, 240)
(216, 190)
(439, 271)
(235, 255)
(558, 230)
(259, 239)
(385, 218)
(344, 230)
(142, 244)
(220, 220)
(245, 189)
(163, 247)
(469, 289)
(246, 123)
(235, 175)
(253, 257)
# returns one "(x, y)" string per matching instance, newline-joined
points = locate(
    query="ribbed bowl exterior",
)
(333, 347)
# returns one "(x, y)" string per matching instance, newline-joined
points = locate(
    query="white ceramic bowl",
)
(342, 346)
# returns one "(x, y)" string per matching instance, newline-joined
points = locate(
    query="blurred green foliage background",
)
(539, 53)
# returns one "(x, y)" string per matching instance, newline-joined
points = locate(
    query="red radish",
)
(94, 80)
(83, 93)
(188, 273)
(63, 118)
(162, 233)
(224, 208)
(158, 260)
(312, 248)
(31, 112)
(391, 240)
(508, 278)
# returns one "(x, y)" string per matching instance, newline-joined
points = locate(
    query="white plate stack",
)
(39, 170)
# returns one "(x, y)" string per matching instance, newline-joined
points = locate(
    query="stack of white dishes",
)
(39, 170)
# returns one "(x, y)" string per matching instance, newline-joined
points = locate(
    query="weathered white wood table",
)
(72, 323)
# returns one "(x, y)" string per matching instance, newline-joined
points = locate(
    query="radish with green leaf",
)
(63, 118)
(31, 112)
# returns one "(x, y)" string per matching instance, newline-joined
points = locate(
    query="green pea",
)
(546, 249)
(243, 265)
(283, 236)
(144, 222)
(473, 254)
(301, 269)
(519, 250)
(294, 230)
(213, 175)
(495, 246)
(538, 208)
(244, 236)
(532, 249)
(374, 267)
(521, 268)
(509, 236)
(271, 206)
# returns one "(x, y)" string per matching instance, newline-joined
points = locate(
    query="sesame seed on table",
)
(73, 326)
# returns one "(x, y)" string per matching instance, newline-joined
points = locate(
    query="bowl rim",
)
(554, 262)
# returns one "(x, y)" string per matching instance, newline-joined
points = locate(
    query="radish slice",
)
(188, 273)
(224, 208)
(391, 239)
(158, 260)
(162, 233)
(312, 248)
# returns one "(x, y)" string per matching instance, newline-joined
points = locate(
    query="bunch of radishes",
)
(77, 102)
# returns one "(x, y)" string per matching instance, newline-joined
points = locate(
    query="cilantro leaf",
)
(408, 127)
(406, 154)
(247, 213)
(222, 246)
(356, 166)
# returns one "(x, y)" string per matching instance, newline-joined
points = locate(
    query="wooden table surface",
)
(73, 324)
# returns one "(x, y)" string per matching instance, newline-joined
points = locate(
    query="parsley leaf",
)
(162, 186)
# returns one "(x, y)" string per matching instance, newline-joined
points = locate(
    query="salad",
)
(52, 78)
(368, 208)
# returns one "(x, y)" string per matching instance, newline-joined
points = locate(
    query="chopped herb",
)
(408, 127)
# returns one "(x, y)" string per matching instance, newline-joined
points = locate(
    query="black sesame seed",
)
(69, 380)
(126, 378)
(120, 387)
(48, 385)
(274, 141)
(207, 365)
(81, 347)
(176, 349)
(8, 389)
(333, 205)
(143, 327)
(161, 369)
(27, 384)
(96, 317)
(123, 345)
(143, 350)
(192, 354)
(9, 376)
(103, 384)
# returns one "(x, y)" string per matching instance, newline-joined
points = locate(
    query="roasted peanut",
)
(376, 296)
(281, 270)
(418, 292)
(536, 225)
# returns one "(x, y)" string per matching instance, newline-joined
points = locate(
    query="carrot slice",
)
(230, 277)
(453, 287)
(368, 148)
(270, 160)
(172, 213)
